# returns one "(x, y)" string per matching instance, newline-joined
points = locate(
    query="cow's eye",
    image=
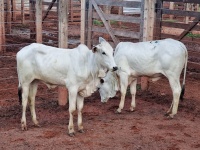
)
(103, 53)
(102, 81)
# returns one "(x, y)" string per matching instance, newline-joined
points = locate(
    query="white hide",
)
(77, 69)
(152, 59)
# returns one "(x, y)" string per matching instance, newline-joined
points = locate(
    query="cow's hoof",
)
(24, 128)
(166, 114)
(132, 109)
(72, 134)
(118, 112)
(170, 116)
(81, 131)
(37, 125)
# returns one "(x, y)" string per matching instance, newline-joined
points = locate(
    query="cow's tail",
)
(184, 76)
(20, 94)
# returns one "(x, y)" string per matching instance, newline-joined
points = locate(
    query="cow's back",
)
(50, 64)
(147, 58)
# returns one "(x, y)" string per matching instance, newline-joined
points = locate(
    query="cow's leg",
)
(25, 92)
(123, 88)
(80, 103)
(72, 108)
(32, 94)
(176, 90)
(133, 92)
(170, 109)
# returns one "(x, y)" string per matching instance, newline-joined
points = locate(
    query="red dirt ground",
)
(145, 129)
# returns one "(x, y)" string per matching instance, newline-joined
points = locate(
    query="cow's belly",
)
(53, 81)
(154, 72)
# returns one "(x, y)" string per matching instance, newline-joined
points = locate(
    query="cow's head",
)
(104, 54)
(108, 86)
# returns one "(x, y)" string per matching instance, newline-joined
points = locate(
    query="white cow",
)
(77, 69)
(152, 59)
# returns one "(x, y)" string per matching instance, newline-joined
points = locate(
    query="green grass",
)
(113, 22)
(100, 23)
(97, 22)
(170, 20)
(193, 35)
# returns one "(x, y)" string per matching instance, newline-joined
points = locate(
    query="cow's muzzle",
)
(115, 68)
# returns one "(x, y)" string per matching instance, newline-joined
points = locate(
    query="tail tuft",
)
(20, 95)
(182, 92)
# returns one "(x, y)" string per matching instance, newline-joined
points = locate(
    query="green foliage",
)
(170, 20)
(100, 23)
(97, 22)
(193, 35)
(113, 22)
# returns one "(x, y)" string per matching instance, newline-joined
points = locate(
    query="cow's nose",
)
(115, 68)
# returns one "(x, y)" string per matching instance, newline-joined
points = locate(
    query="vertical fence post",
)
(171, 7)
(8, 12)
(13, 10)
(187, 9)
(63, 42)
(83, 21)
(151, 19)
(158, 19)
(38, 21)
(86, 19)
(148, 25)
(89, 35)
(22, 11)
(71, 11)
(32, 19)
(2, 27)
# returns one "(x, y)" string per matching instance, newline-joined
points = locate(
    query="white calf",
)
(152, 59)
(77, 69)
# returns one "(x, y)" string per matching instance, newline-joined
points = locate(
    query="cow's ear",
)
(101, 40)
(102, 81)
(94, 49)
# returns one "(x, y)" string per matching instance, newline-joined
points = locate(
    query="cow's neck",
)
(114, 79)
(94, 65)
